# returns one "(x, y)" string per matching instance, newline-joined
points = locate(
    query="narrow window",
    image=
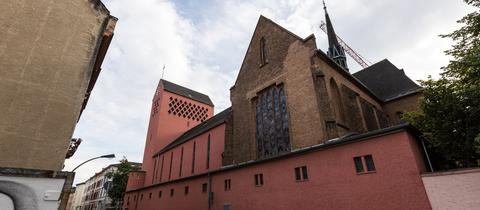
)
(186, 190)
(258, 180)
(358, 164)
(369, 163)
(181, 163)
(150, 196)
(208, 152)
(170, 171)
(161, 168)
(160, 194)
(304, 172)
(193, 157)
(298, 176)
(141, 196)
(337, 102)
(171, 192)
(228, 184)
(154, 169)
(263, 53)
(204, 187)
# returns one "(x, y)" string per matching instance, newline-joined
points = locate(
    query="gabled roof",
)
(386, 81)
(198, 130)
(267, 20)
(183, 91)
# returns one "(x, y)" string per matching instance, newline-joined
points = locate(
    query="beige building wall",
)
(78, 197)
(453, 189)
(50, 52)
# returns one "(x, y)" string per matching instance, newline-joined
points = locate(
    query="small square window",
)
(366, 163)
(258, 180)
(228, 184)
(186, 190)
(301, 173)
(204, 187)
(171, 192)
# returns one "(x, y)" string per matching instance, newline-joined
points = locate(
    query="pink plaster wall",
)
(201, 147)
(453, 190)
(164, 128)
(333, 182)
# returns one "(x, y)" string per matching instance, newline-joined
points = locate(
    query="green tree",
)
(119, 180)
(450, 117)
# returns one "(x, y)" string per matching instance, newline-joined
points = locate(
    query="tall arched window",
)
(263, 52)
(337, 101)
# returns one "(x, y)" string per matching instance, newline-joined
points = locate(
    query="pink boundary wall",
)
(332, 184)
(453, 189)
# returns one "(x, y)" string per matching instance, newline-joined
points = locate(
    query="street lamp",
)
(110, 156)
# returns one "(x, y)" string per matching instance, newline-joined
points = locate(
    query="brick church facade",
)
(302, 132)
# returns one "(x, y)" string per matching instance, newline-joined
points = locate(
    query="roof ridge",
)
(185, 92)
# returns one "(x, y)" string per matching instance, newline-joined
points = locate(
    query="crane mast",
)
(357, 57)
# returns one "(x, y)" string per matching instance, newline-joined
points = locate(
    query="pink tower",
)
(175, 109)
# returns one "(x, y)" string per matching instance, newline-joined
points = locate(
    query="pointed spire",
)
(335, 50)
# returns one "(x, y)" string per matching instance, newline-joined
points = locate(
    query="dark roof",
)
(199, 129)
(183, 91)
(386, 81)
(322, 55)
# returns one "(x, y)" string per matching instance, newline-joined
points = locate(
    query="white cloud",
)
(202, 46)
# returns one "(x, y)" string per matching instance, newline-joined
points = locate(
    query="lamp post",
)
(110, 156)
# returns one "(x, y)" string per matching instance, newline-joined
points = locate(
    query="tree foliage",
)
(119, 180)
(450, 117)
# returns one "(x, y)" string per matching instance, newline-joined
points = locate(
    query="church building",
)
(302, 132)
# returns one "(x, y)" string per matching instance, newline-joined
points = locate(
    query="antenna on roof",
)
(163, 71)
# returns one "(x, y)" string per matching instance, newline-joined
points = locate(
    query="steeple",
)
(335, 50)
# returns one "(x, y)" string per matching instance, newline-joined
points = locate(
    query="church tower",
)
(335, 50)
(175, 109)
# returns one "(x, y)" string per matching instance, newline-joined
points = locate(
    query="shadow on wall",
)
(18, 196)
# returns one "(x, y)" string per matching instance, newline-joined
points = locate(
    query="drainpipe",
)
(210, 194)
(426, 153)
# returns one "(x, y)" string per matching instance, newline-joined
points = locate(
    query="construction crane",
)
(357, 57)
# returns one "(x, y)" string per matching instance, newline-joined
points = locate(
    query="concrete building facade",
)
(50, 58)
(78, 196)
(51, 54)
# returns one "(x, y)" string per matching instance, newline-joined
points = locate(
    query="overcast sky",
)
(202, 44)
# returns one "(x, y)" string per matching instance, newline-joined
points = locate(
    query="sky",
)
(202, 44)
